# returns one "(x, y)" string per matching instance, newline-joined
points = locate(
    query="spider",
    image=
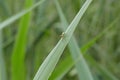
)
(62, 35)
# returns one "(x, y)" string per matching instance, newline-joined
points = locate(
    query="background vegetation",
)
(27, 38)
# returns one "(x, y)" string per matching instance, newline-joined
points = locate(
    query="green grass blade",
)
(2, 63)
(90, 43)
(81, 65)
(4, 7)
(60, 71)
(18, 56)
(84, 49)
(59, 74)
(108, 75)
(50, 62)
(19, 15)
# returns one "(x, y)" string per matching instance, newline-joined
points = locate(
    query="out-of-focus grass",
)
(3, 75)
(50, 62)
(18, 55)
(81, 66)
(68, 63)
(103, 50)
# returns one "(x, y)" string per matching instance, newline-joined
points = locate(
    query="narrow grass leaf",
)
(50, 62)
(60, 71)
(18, 56)
(108, 75)
(84, 49)
(4, 7)
(81, 65)
(19, 15)
(2, 62)
(90, 43)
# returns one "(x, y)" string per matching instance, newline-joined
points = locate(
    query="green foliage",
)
(18, 55)
(68, 63)
(48, 65)
(81, 66)
(26, 38)
(3, 75)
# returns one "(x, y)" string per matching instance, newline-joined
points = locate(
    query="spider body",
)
(62, 35)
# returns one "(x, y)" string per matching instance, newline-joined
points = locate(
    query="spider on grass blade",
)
(62, 35)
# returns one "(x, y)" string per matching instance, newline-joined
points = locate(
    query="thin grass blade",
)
(2, 62)
(18, 56)
(60, 73)
(90, 43)
(81, 65)
(4, 7)
(50, 62)
(19, 15)
(106, 73)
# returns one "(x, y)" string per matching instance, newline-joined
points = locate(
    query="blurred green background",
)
(45, 30)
